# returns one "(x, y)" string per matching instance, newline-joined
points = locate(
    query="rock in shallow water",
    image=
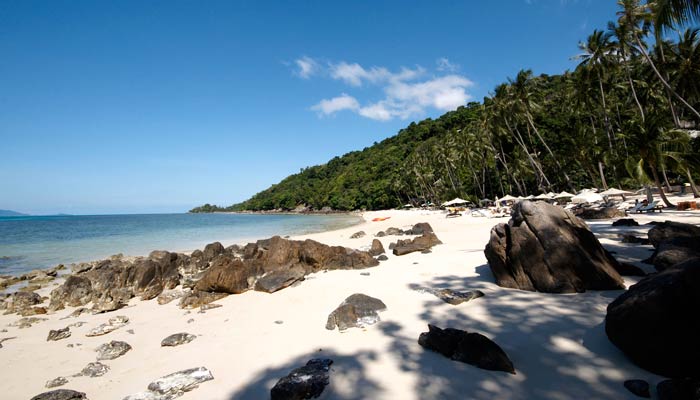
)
(357, 311)
(112, 350)
(61, 394)
(304, 382)
(177, 339)
(471, 348)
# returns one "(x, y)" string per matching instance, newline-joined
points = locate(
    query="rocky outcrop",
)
(357, 311)
(177, 339)
(547, 249)
(668, 230)
(112, 350)
(471, 348)
(20, 302)
(76, 291)
(673, 251)
(280, 279)
(227, 275)
(61, 394)
(305, 382)
(377, 248)
(420, 243)
(655, 322)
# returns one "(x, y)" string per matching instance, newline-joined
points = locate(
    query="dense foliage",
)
(624, 117)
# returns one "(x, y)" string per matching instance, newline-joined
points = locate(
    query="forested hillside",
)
(626, 116)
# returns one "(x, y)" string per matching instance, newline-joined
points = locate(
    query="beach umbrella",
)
(542, 197)
(455, 201)
(615, 192)
(530, 197)
(551, 195)
(586, 197)
(508, 198)
(564, 195)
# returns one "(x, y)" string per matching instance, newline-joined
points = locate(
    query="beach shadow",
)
(348, 378)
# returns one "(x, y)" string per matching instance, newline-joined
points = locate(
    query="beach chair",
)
(635, 208)
(651, 207)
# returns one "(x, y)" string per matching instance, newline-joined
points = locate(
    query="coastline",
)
(556, 342)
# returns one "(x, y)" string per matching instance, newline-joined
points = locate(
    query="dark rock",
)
(227, 275)
(376, 248)
(655, 322)
(601, 213)
(112, 300)
(177, 339)
(420, 229)
(679, 389)
(393, 232)
(630, 238)
(358, 235)
(547, 249)
(305, 382)
(167, 297)
(380, 234)
(453, 297)
(58, 334)
(420, 243)
(212, 250)
(364, 273)
(18, 302)
(94, 369)
(60, 381)
(673, 251)
(61, 394)
(279, 279)
(471, 348)
(627, 269)
(638, 387)
(357, 311)
(112, 350)
(668, 230)
(626, 222)
(383, 257)
(196, 299)
(29, 311)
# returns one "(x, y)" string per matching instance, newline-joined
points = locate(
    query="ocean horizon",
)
(34, 242)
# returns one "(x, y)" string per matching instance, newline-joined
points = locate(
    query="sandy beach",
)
(556, 342)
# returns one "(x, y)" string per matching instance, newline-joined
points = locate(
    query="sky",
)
(160, 106)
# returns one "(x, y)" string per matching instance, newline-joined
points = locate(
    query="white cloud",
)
(443, 64)
(307, 67)
(332, 106)
(408, 92)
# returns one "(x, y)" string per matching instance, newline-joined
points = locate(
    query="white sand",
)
(556, 342)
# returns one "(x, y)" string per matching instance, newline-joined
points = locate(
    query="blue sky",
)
(158, 106)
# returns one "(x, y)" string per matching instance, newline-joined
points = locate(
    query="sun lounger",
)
(653, 206)
(635, 208)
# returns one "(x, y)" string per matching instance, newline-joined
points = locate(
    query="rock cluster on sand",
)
(422, 243)
(655, 322)
(547, 249)
(468, 347)
(305, 382)
(674, 242)
(61, 394)
(173, 385)
(357, 311)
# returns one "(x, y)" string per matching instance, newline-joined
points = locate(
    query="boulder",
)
(625, 222)
(382, 257)
(679, 389)
(305, 382)
(357, 311)
(655, 322)
(58, 334)
(377, 248)
(61, 394)
(673, 251)
(668, 230)
(630, 238)
(18, 302)
(212, 250)
(601, 213)
(227, 275)
(112, 350)
(638, 387)
(280, 279)
(357, 235)
(420, 229)
(419, 243)
(76, 291)
(177, 339)
(471, 348)
(547, 249)
(112, 299)
(393, 232)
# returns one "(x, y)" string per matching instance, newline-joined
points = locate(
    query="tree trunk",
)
(605, 112)
(602, 175)
(663, 173)
(661, 78)
(521, 142)
(692, 184)
(657, 182)
(634, 93)
(566, 176)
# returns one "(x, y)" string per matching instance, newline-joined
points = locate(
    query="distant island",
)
(10, 213)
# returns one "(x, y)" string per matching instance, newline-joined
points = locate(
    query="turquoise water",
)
(28, 243)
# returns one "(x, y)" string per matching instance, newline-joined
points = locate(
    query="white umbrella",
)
(586, 197)
(564, 195)
(508, 198)
(551, 195)
(542, 197)
(455, 201)
(530, 197)
(615, 192)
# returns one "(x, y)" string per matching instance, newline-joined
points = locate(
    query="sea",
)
(33, 242)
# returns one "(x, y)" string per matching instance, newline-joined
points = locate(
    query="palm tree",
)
(625, 54)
